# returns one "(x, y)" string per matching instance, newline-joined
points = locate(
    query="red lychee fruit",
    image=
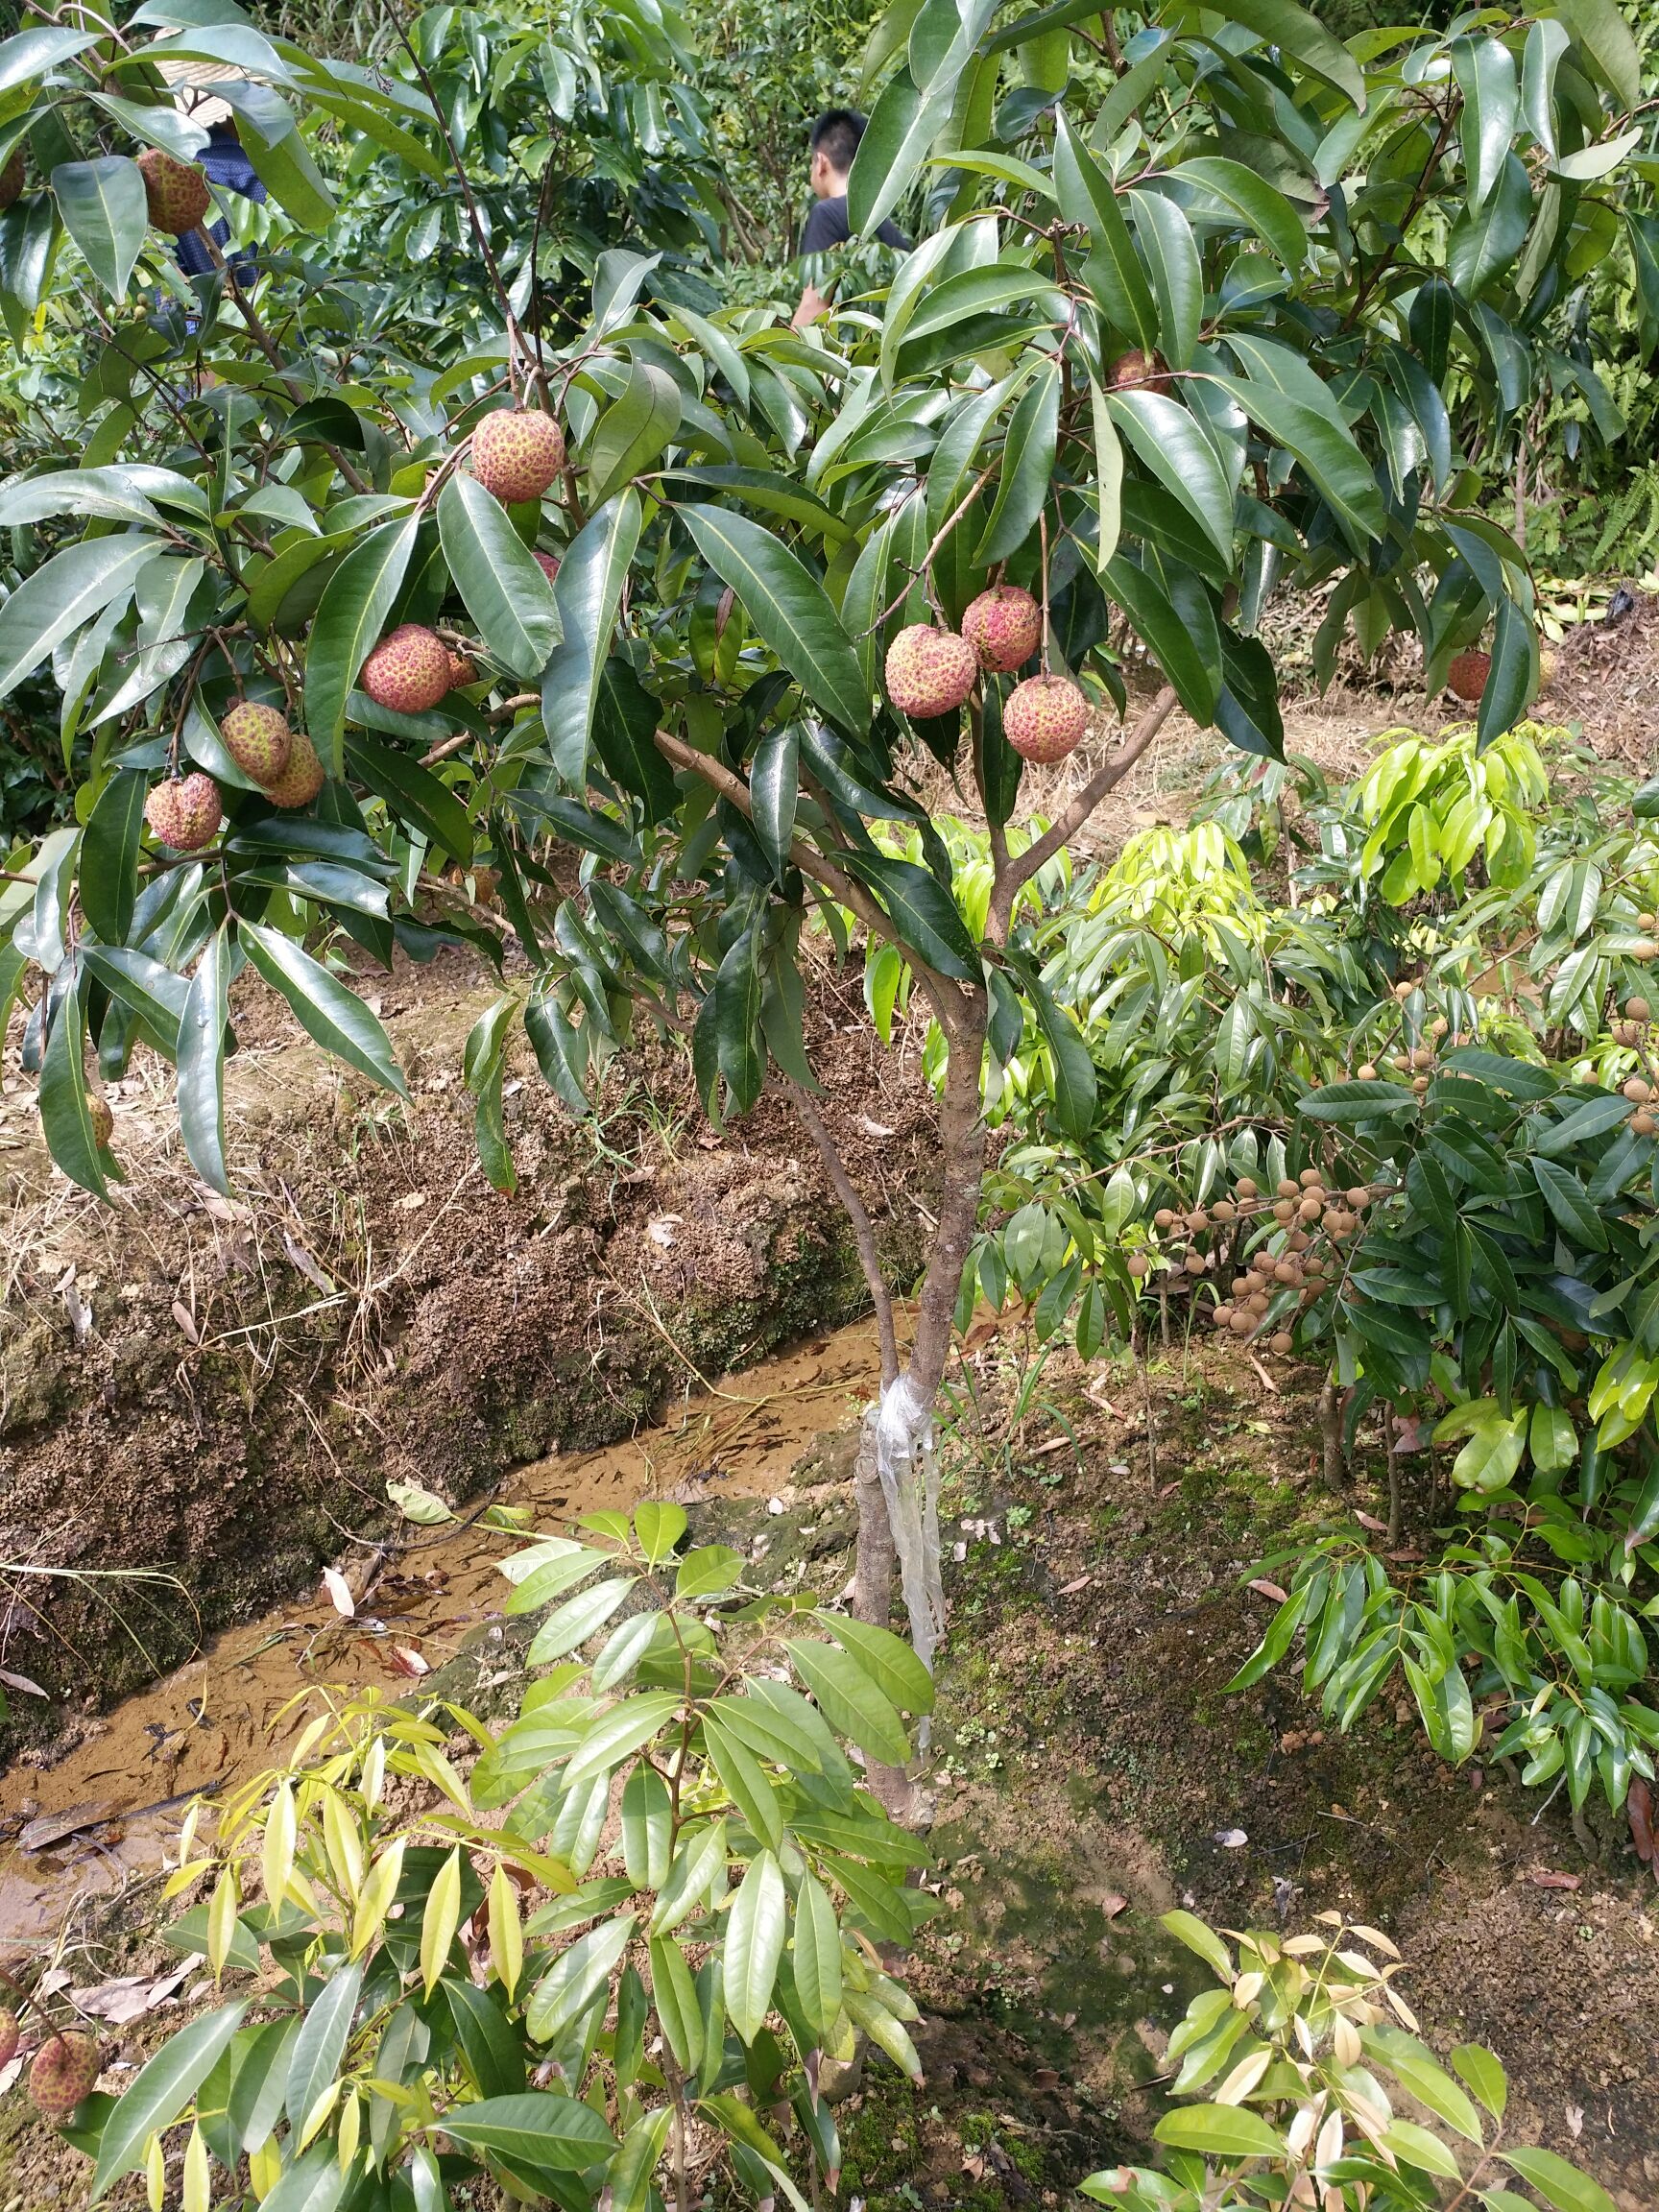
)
(1139, 372)
(929, 671)
(1045, 717)
(517, 452)
(63, 2073)
(408, 671)
(185, 812)
(257, 738)
(1004, 627)
(548, 563)
(9, 2029)
(176, 191)
(301, 778)
(11, 181)
(103, 1129)
(461, 671)
(1467, 675)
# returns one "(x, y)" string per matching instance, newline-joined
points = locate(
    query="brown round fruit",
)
(1308, 1177)
(1636, 1090)
(518, 453)
(1439, 1026)
(1045, 718)
(1193, 1263)
(1404, 989)
(1367, 1073)
(1139, 372)
(1281, 1343)
(1224, 1210)
(301, 779)
(1422, 1057)
(174, 191)
(1245, 1188)
(257, 738)
(1288, 1190)
(1311, 1209)
(185, 812)
(1357, 1197)
(1004, 626)
(1642, 1124)
(64, 2072)
(1467, 676)
(929, 671)
(1644, 949)
(1402, 1061)
(1242, 1324)
(1638, 1009)
(408, 671)
(1164, 1218)
(1419, 1084)
(1197, 1220)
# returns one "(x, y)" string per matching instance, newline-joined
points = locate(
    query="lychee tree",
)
(1204, 304)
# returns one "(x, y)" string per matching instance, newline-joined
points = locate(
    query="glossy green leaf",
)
(65, 1113)
(1171, 255)
(754, 1934)
(1221, 2131)
(506, 593)
(1027, 468)
(634, 430)
(535, 2129)
(789, 606)
(67, 590)
(922, 912)
(851, 1703)
(202, 1062)
(588, 592)
(351, 616)
(105, 212)
(1171, 444)
(319, 2045)
(326, 1009)
(1283, 23)
(1485, 73)
(887, 1659)
(1114, 272)
(109, 851)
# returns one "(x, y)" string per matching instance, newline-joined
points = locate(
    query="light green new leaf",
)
(755, 1935)
(105, 211)
(65, 592)
(850, 1701)
(1558, 2183)
(1221, 2131)
(337, 1018)
(588, 595)
(507, 593)
(159, 2092)
(350, 615)
(439, 1918)
(1417, 2066)
(537, 2128)
(1483, 2073)
(789, 606)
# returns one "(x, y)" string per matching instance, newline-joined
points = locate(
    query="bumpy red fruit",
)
(1004, 626)
(11, 181)
(517, 452)
(1139, 372)
(1045, 717)
(9, 2029)
(64, 2071)
(548, 563)
(408, 671)
(103, 1129)
(301, 779)
(1467, 675)
(186, 811)
(929, 671)
(257, 738)
(176, 191)
(461, 671)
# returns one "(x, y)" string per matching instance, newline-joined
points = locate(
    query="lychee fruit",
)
(11, 181)
(548, 563)
(257, 738)
(103, 1129)
(10, 2031)
(1004, 626)
(517, 452)
(1045, 718)
(408, 671)
(185, 812)
(176, 191)
(1549, 667)
(301, 779)
(462, 671)
(63, 2073)
(1139, 372)
(1467, 676)
(929, 671)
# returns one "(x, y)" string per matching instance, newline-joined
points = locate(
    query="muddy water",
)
(112, 1805)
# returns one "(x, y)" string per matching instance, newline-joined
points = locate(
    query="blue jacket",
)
(227, 164)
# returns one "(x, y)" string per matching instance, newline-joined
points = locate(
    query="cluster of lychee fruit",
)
(63, 2073)
(932, 671)
(1287, 1272)
(185, 812)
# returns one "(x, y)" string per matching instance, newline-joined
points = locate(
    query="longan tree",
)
(1206, 303)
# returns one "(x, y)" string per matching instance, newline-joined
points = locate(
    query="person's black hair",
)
(837, 135)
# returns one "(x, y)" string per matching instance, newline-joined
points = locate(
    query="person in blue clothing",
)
(833, 143)
(223, 158)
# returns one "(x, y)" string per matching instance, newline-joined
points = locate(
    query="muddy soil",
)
(200, 1401)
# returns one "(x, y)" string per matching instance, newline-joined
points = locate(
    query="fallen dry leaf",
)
(339, 1592)
(1071, 1589)
(1371, 1522)
(185, 1319)
(1545, 1878)
(408, 1662)
(1112, 1903)
(1266, 1589)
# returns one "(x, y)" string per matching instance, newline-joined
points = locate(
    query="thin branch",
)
(863, 1230)
(1012, 879)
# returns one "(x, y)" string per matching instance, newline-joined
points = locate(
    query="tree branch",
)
(863, 1230)
(1012, 879)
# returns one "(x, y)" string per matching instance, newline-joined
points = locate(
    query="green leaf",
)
(69, 590)
(1176, 450)
(1253, 200)
(1415, 2065)
(1566, 1198)
(1416, 2146)
(922, 912)
(202, 1062)
(1171, 253)
(260, 2061)
(1184, 659)
(315, 2184)
(589, 593)
(66, 1117)
(774, 790)
(350, 615)
(506, 591)
(675, 1993)
(1315, 436)
(1357, 1101)
(414, 795)
(849, 1701)
(1483, 2073)
(816, 1960)
(1027, 467)
(280, 156)
(634, 430)
(738, 1044)
(789, 606)
(320, 2043)
(326, 1010)
(647, 1828)
(624, 736)
(535, 2129)
(1221, 2131)
(155, 993)
(576, 1620)
(1291, 28)
(754, 1934)
(1199, 1937)
(887, 1659)
(1600, 27)
(623, 1730)
(105, 211)
(576, 1977)
(1557, 2182)
(1114, 272)
(895, 142)
(746, 1783)
(1484, 69)
(1512, 676)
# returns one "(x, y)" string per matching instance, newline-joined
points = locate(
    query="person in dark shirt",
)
(225, 161)
(833, 143)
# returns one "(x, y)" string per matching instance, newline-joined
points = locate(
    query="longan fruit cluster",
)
(1416, 1062)
(1641, 1093)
